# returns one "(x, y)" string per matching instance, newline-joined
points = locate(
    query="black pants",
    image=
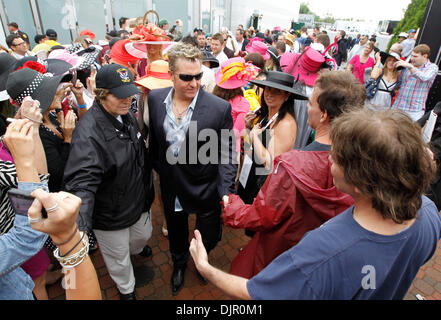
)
(209, 225)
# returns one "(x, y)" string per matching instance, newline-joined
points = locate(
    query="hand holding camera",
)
(20, 142)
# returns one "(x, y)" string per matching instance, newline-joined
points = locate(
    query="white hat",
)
(403, 35)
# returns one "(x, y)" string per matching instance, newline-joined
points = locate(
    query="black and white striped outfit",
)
(8, 180)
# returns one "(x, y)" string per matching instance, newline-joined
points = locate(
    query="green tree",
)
(304, 9)
(412, 19)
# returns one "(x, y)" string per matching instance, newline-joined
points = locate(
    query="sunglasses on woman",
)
(190, 77)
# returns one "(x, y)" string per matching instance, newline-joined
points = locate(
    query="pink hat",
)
(277, 28)
(235, 73)
(259, 47)
(307, 68)
(72, 58)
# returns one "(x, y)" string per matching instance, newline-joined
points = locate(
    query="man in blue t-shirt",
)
(374, 249)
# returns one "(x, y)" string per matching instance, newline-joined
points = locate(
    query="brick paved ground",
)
(427, 282)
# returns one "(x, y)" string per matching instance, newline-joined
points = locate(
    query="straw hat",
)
(157, 76)
(290, 38)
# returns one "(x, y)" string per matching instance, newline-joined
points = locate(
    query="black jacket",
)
(342, 53)
(109, 170)
(199, 186)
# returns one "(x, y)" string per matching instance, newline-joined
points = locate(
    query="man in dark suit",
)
(193, 178)
(13, 29)
(241, 41)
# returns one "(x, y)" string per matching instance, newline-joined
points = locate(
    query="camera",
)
(21, 201)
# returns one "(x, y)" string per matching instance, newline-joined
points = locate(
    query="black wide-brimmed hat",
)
(282, 81)
(385, 55)
(27, 82)
(57, 67)
(7, 63)
(54, 66)
(209, 57)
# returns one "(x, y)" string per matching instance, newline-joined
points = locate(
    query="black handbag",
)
(372, 86)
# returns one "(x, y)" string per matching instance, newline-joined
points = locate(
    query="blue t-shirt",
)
(341, 260)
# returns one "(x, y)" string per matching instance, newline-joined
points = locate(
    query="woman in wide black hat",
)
(273, 131)
(387, 72)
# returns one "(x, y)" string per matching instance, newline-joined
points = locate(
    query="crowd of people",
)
(276, 132)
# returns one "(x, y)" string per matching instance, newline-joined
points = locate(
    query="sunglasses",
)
(190, 77)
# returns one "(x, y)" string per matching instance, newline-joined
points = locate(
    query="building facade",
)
(69, 17)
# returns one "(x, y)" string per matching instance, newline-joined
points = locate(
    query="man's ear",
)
(357, 191)
(324, 117)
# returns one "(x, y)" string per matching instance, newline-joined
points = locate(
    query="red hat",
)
(151, 34)
(120, 54)
(307, 67)
(87, 32)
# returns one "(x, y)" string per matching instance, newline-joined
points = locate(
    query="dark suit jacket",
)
(244, 45)
(199, 185)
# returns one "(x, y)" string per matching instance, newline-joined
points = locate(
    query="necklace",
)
(180, 114)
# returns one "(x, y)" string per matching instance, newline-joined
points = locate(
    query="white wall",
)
(2, 37)
(278, 13)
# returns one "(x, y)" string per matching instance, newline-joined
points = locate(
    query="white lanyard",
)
(271, 121)
(267, 125)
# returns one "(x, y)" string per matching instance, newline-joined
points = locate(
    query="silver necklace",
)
(180, 114)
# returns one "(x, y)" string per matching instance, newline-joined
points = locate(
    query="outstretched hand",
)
(198, 252)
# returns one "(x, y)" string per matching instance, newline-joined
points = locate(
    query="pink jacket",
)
(239, 108)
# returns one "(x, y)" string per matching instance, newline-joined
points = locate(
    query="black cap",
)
(209, 57)
(7, 63)
(51, 33)
(117, 79)
(39, 37)
(112, 33)
(113, 41)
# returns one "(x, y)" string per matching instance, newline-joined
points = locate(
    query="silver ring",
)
(34, 220)
(55, 207)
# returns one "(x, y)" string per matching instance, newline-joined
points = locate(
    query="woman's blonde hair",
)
(387, 71)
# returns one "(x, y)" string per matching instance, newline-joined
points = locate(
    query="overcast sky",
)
(366, 9)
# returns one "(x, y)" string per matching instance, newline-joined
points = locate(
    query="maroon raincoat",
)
(297, 197)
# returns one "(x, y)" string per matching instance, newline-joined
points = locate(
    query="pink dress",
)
(239, 108)
(38, 264)
(360, 68)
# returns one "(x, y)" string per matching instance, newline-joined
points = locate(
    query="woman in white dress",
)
(389, 81)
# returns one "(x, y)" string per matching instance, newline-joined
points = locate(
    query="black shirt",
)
(317, 146)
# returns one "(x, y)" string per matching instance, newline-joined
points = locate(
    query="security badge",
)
(123, 73)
